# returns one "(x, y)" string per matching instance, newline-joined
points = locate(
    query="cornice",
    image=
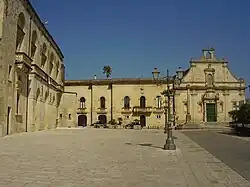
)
(44, 30)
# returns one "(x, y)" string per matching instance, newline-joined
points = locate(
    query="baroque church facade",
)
(204, 94)
(35, 96)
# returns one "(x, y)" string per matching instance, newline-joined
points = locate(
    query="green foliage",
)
(112, 122)
(234, 115)
(107, 70)
(242, 115)
(119, 121)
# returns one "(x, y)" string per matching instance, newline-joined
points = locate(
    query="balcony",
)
(81, 111)
(158, 110)
(101, 111)
(138, 109)
(23, 61)
(126, 110)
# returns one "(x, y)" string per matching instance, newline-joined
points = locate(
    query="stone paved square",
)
(105, 157)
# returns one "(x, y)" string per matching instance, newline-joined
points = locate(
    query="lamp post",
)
(169, 145)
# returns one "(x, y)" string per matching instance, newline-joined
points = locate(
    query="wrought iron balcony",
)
(81, 110)
(158, 110)
(126, 110)
(101, 111)
(138, 109)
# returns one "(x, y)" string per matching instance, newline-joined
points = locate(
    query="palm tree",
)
(107, 70)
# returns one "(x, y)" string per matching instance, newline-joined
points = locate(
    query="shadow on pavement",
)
(232, 133)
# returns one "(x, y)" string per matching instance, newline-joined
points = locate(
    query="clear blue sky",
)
(134, 36)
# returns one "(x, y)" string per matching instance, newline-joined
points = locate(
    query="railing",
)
(158, 110)
(126, 110)
(81, 110)
(101, 111)
(138, 109)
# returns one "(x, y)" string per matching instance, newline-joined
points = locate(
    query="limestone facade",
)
(205, 93)
(31, 70)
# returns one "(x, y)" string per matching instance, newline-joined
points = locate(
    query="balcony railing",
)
(138, 109)
(126, 110)
(101, 110)
(158, 110)
(81, 110)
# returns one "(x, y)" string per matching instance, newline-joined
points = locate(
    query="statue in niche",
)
(200, 107)
(210, 80)
(221, 107)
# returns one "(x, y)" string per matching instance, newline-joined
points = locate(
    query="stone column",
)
(188, 116)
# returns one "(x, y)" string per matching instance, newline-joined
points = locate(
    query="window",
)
(208, 55)
(20, 31)
(33, 44)
(158, 101)
(10, 70)
(142, 102)
(61, 116)
(82, 102)
(17, 102)
(102, 103)
(69, 116)
(51, 64)
(126, 102)
(43, 55)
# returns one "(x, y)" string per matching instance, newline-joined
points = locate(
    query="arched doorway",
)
(102, 119)
(142, 120)
(82, 120)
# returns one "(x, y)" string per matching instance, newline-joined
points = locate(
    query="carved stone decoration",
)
(210, 95)
(220, 108)
(200, 107)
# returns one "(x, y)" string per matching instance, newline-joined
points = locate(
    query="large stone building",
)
(205, 93)
(31, 70)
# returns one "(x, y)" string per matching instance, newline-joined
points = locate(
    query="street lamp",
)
(169, 145)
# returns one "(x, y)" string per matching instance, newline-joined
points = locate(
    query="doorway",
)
(82, 120)
(142, 120)
(8, 120)
(102, 119)
(211, 112)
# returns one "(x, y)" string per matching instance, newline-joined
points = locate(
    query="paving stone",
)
(104, 157)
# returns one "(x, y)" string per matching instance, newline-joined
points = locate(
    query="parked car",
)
(99, 124)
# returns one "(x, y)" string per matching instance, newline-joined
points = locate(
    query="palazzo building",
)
(31, 70)
(206, 92)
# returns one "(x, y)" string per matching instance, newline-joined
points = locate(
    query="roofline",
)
(44, 29)
(114, 81)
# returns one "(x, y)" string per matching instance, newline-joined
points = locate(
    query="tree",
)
(244, 114)
(241, 116)
(107, 70)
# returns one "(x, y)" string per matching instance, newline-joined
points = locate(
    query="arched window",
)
(158, 101)
(102, 103)
(126, 102)
(208, 55)
(82, 102)
(51, 64)
(20, 31)
(43, 55)
(210, 80)
(33, 44)
(142, 102)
